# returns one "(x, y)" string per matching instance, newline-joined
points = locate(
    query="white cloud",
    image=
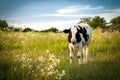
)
(68, 15)
(58, 24)
(68, 10)
(112, 14)
(108, 14)
(74, 9)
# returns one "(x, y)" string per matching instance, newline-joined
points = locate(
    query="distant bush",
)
(52, 29)
(3, 25)
(16, 29)
(27, 30)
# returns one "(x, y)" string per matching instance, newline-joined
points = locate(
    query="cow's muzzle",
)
(73, 41)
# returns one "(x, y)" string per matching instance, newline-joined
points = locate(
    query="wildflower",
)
(22, 41)
(15, 68)
(50, 67)
(42, 70)
(33, 71)
(38, 68)
(36, 75)
(41, 58)
(63, 72)
(29, 60)
(47, 51)
(50, 73)
(24, 54)
(30, 66)
(17, 56)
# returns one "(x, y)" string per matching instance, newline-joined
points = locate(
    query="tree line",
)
(4, 27)
(96, 22)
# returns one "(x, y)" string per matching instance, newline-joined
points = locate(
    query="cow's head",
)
(74, 34)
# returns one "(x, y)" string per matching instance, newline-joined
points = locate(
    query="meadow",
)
(45, 56)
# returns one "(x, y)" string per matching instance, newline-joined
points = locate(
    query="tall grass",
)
(103, 63)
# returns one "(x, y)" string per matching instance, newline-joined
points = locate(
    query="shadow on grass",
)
(4, 70)
(95, 71)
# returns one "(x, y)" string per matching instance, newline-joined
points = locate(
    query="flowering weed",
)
(36, 69)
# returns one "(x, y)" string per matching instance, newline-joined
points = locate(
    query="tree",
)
(17, 29)
(115, 20)
(115, 23)
(97, 22)
(85, 19)
(53, 29)
(3, 25)
(27, 30)
(94, 22)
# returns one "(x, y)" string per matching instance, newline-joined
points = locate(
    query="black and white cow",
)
(79, 37)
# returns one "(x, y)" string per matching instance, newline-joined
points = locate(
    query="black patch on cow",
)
(85, 35)
(69, 37)
(80, 30)
(84, 32)
(78, 36)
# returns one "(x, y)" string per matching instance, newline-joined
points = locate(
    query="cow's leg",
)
(71, 52)
(84, 54)
(79, 55)
(87, 53)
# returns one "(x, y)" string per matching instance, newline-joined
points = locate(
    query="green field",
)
(45, 56)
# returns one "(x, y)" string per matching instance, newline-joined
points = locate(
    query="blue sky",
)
(42, 14)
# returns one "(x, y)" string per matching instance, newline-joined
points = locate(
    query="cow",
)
(79, 36)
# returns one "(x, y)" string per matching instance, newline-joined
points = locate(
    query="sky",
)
(43, 14)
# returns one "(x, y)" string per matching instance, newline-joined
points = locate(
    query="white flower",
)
(29, 66)
(50, 67)
(42, 70)
(50, 73)
(38, 68)
(63, 72)
(47, 51)
(22, 41)
(33, 71)
(17, 56)
(15, 68)
(41, 59)
(36, 75)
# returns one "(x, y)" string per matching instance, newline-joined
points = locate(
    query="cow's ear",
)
(66, 30)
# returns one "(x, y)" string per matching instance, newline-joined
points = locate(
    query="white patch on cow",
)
(73, 31)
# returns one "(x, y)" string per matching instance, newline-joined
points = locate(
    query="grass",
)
(103, 63)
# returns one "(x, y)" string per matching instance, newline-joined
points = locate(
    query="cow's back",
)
(88, 29)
